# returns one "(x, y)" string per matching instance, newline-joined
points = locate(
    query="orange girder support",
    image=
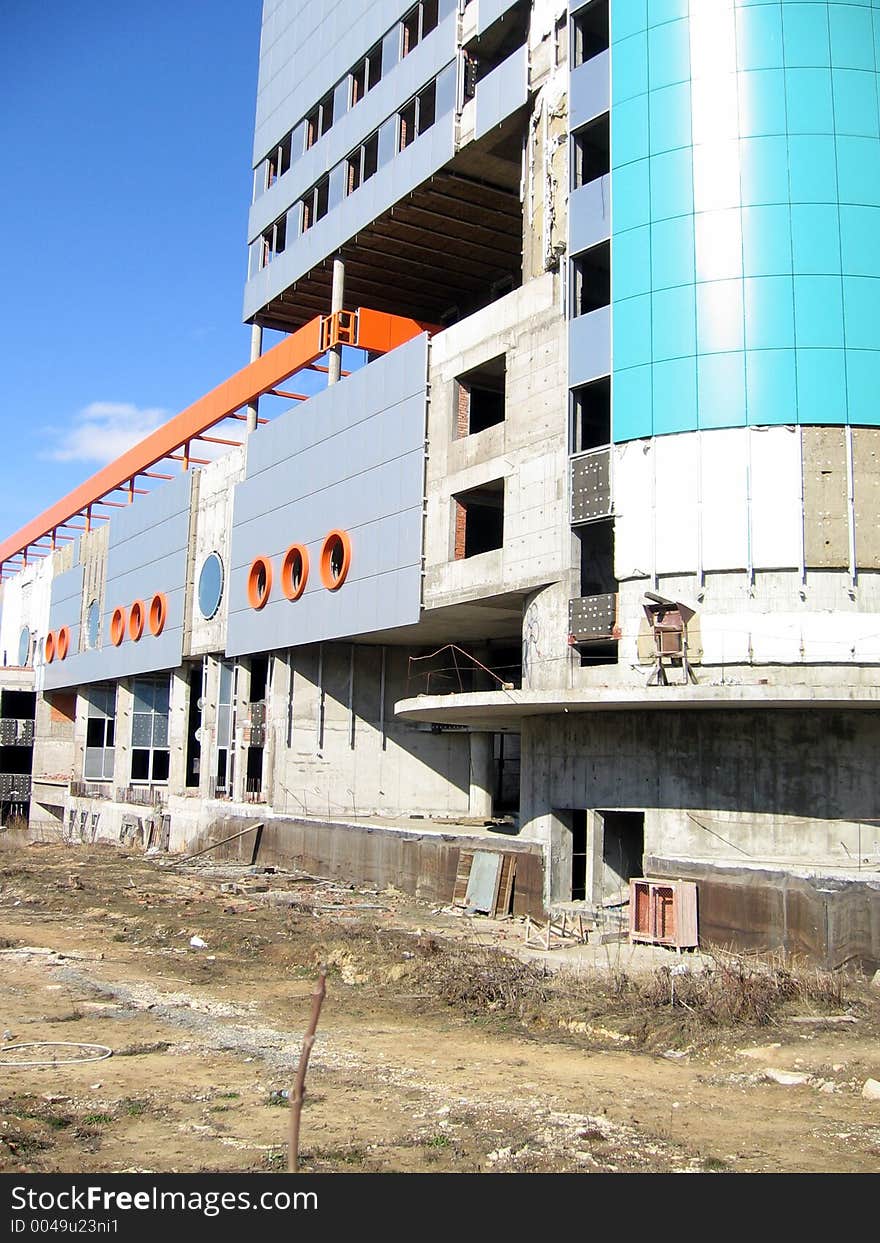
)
(376, 332)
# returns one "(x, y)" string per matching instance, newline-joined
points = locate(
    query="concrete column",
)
(256, 351)
(337, 294)
(178, 720)
(242, 714)
(482, 775)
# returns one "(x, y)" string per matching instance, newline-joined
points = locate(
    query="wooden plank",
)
(462, 876)
(505, 886)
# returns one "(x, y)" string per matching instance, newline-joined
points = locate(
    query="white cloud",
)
(103, 430)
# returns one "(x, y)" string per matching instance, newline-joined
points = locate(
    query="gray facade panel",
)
(306, 49)
(589, 346)
(488, 11)
(147, 553)
(416, 164)
(589, 215)
(590, 90)
(355, 463)
(422, 65)
(502, 91)
(65, 608)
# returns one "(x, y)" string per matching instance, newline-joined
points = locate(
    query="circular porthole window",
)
(24, 646)
(93, 618)
(295, 571)
(210, 585)
(259, 582)
(335, 559)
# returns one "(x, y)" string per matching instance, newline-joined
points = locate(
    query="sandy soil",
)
(96, 948)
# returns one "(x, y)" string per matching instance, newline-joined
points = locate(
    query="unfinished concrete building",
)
(581, 530)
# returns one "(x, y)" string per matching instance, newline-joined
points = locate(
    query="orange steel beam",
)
(280, 392)
(376, 331)
(218, 440)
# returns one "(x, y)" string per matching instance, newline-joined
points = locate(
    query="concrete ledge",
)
(505, 709)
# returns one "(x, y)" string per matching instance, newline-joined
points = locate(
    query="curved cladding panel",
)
(354, 460)
(746, 223)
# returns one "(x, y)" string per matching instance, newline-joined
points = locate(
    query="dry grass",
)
(674, 1005)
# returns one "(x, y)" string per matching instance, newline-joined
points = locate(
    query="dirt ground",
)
(431, 1055)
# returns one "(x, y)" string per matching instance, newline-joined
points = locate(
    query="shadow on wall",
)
(817, 764)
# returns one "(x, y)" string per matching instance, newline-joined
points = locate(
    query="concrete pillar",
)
(337, 294)
(482, 775)
(242, 715)
(256, 351)
(178, 721)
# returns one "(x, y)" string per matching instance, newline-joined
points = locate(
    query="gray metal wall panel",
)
(307, 48)
(502, 91)
(488, 11)
(589, 215)
(590, 90)
(65, 607)
(147, 553)
(589, 346)
(357, 463)
(406, 171)
(422, 65)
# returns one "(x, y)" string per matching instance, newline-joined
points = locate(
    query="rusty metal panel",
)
(591, 486)
(823, 920)
(866, 487)
(592, 617)
(826, 520)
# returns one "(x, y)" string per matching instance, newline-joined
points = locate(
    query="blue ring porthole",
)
(210, 585)
(24, 646)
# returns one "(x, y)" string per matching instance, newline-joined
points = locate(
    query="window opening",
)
(591, 279)
(590, 152)
(100, 734)
(480, 397)
(591, 415)
(589, 32)
(479, 520)
(150, 754)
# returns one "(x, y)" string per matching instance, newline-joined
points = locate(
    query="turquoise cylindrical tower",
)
(745, 144)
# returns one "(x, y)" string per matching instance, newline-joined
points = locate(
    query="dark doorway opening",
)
(578, 856)
(623, 848)
(193, 726)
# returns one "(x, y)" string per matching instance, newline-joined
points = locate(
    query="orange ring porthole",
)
(259, 582)
(49, 649)
(335, 559)
(117, 626)
(136, 620)
(63, 642)
(295, 571)
(158, 613)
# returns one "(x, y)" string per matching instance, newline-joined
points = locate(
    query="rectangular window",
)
(590, 152)
(417, 116)
(100, 734)
(478, 515)
(362, 164)
(591, 279)
(315, 204)
(406, 132)
(589, 32)
(150, 753)
(225, 728)
(479, 397)
(366, 74)
(409, 31)
(591, 416)
(273, 241)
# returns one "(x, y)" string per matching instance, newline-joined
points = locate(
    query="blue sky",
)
(125, 137)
